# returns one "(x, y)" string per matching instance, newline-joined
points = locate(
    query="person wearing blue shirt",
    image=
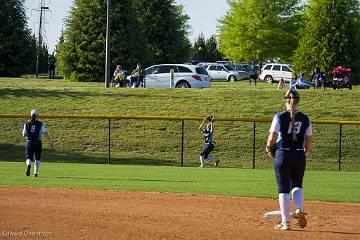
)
(289, 142)
(207, 129)
(32, 132)
(318, 78)
(302, 84)
(293, 81)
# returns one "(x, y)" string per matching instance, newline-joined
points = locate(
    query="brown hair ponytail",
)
(292, 97)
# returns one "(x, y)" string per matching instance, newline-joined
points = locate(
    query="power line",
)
(43, 10)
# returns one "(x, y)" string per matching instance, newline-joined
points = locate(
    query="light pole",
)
(107, 60)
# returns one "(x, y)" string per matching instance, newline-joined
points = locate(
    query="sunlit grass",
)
(223, 99)
(324, 186)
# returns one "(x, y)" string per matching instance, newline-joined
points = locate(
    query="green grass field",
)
(323, 186)
(223, 99)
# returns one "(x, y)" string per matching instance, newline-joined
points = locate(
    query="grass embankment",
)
(223, 99)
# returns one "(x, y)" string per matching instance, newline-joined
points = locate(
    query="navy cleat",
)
(35, 175)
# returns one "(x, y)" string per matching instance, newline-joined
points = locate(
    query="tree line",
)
(319, 33)
(18, 47)
(308, 34)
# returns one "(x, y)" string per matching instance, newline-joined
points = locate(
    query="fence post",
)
(254, 145)
(182, 143)
(109, 146)
(340, 139)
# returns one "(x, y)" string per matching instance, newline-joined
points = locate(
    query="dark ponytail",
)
(292, 97)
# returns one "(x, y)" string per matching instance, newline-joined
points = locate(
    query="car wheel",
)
(232, 78)
(183, 84)
(268, 79)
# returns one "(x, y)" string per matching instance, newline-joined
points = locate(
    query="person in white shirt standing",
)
(289, 143)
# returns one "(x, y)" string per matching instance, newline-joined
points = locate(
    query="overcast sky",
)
(203, 17)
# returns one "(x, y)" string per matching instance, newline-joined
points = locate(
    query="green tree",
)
(199, 49)
(212, 50)
(206, 50)
(330, 36)
(43, 60)
(259, 30)
(17, 45)
(59, 42)
(58, 47)
(81, 56)
(165, 30)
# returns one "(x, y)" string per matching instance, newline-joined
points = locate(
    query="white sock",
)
(298, 197)
(28, 162)
(37, 166)
(202, 161)
(284, 202)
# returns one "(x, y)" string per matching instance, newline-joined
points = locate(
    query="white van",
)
(185, 76)
(275, 71)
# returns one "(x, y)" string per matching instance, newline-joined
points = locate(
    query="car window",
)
(229, 67)
(286, 69)
(184, 69)
(247, 67)
(268, 67)
(276, 68)
(201, 70)
(220, 68)
(242, 68)
(152, 70)
(166, 68)
(212, 68)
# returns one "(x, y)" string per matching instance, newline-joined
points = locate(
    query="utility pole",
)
(42, 11)
(107, 60)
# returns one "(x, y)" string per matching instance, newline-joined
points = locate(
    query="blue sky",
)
(203, 17)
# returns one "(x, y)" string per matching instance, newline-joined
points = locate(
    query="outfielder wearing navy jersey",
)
(207, 132)
(288, 143)
(32, 132)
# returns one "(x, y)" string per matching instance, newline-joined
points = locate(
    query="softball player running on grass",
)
(288, 143)
(207, 132)
(32, 132)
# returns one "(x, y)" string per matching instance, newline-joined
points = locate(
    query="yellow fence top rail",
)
(113, 117)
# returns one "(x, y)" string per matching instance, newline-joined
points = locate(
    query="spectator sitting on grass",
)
(301, 82)
(119, 76)
(293, 81)
(281, 84)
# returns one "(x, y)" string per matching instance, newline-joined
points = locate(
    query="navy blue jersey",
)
(33, 130)
(208, 135)
(301, 125)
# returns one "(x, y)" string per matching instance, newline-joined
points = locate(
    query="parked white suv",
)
(275, 71)
(185, 76)
(226, 72)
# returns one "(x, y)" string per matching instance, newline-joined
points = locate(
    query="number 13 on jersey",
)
(297, 127)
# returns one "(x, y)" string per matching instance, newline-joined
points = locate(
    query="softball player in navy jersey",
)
(207, 132)
(288, 143)
(32, 132)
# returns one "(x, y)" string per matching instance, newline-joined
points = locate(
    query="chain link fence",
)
(173, 141)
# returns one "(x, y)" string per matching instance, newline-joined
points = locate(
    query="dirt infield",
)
(49, 213)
